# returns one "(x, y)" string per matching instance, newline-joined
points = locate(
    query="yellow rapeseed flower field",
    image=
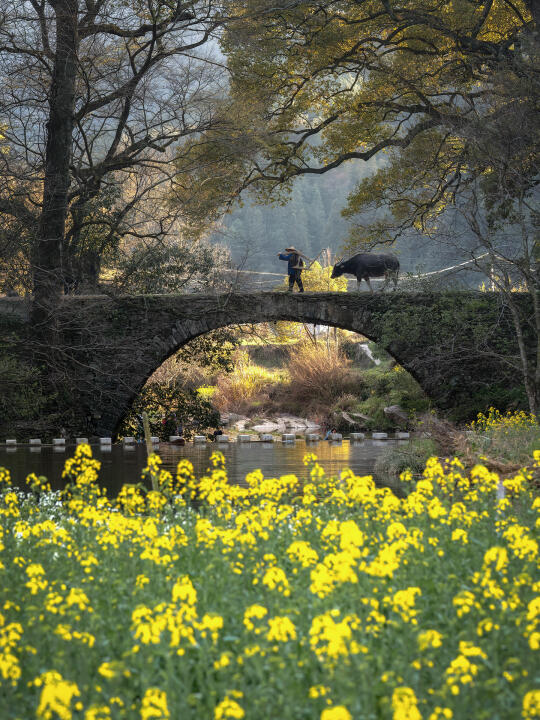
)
(324, 598)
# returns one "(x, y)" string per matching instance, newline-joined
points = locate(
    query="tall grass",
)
(319, 374)
(247, 387)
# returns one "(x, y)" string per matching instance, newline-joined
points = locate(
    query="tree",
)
(434, 91)
(168, 405)
(94, 94)
(332, 81)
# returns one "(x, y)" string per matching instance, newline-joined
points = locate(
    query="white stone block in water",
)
(154, 440)
(35, 441)
(199, 439)
(313, 437)
(265, 437)
(129, 441)
(59, 441)
(105, 441)
(80, 441)
(174, 438)
(222, 438)
(357, 436)
(11, 441)
(288, 437)
(336, 437)
(244, 438)
(402, 435)
(380, 436)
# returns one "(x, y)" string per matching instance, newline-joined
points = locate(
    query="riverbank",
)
(351, 386)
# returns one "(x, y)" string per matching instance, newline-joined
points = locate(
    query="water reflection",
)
(121, 465)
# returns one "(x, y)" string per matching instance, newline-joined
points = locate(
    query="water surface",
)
(121, 465)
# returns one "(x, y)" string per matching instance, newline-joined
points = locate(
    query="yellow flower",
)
(253, 613)
(281, 629)
(229, 709)
(338, 712)
(531, 705)
(56, 696)
(154, 705)
(441, 713)
(429, 638)
(404, 704)
(98, 712)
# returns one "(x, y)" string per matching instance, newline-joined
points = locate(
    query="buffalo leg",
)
(369, 284)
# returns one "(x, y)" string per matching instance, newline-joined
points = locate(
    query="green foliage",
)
(168, 267)
(167, 406)
(214, 350)
(384, 387)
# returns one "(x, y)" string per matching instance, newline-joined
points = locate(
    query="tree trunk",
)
(47, 261)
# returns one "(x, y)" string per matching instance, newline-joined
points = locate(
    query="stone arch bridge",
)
(459, 346)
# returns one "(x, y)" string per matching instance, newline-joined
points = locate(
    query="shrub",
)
(169, 405)
(319, 374)
(248, 386)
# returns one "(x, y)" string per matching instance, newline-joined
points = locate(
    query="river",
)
(121, 465)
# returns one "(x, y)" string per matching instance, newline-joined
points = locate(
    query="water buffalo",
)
(367, 265)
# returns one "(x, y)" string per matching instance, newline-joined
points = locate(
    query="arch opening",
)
(251, 376)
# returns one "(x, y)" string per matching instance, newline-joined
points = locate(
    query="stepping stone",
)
(266, 438)
(356, 436)
(199, 439)
(244, 438)
(288, 437)
(35, 441)
(380, 436)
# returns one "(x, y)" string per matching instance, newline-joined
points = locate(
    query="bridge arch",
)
(451, 343)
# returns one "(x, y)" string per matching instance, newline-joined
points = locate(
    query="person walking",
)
(294, 267)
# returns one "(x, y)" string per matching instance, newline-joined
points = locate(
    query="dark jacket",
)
(293, 262)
